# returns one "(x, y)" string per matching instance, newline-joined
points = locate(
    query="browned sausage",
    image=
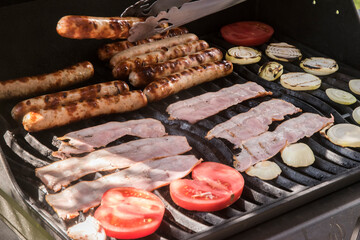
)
(176, 82)
(76, 111)
(110, 49)
(65, 97)
(81, 27)
(124, 68)
(143, 76)
(151, 46)
(27, 86)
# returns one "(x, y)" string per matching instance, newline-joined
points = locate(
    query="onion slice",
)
(283, 52)
(340, 96)
(344, 134)
(265, 170)
(354, 86)
(298, 155)
(319, 66)
(299, 81)
(243, 55)
(271, 71)
(356, 115)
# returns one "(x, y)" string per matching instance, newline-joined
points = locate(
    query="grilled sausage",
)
(23, 87)
(110, 49)
(82, 27)
(151, 46)
(124, 68)
(62, 115)
(65, 97)
(176, 82)
(145, 75)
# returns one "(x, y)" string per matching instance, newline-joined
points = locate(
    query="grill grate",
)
(260, 199)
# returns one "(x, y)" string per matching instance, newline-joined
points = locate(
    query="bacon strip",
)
(268, 144)
(148, 175)
(62, 173)
(252, 123)
(208, 104)
(86, 140)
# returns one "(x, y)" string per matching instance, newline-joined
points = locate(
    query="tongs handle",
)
(147, 8)
(188, 11)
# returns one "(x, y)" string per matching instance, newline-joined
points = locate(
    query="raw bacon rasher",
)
(268, 144)
(208, 104)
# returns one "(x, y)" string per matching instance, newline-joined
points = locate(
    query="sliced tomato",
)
(129, 213)
(247, 33)
(215, 187)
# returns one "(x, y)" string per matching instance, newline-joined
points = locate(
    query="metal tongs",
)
(173, 12)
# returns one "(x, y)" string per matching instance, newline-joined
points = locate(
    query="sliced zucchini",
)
(319, 66)
(283, 52)
(271, 71)
(356, 115)
(243, 55)
(299, 81)
(354, 86)
(340, 96)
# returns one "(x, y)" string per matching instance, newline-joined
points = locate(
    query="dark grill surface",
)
(334, 167)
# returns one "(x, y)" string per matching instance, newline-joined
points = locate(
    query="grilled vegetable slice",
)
(243, 55)
(298, 155)
(340, 96)
(344, 134)
(283, 52)
(265, 170)
(299, 81)
(319, 65)
(271, 71)
(129, 213)
(215, 186)
(356, 115)
(354, 86)
(247, 33)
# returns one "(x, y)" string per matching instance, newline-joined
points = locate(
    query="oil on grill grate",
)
(293, 187)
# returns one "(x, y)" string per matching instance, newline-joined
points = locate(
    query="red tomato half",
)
(129, 213)
(215, 187)
(250, 33)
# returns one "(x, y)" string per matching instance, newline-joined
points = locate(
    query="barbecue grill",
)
(30, 46)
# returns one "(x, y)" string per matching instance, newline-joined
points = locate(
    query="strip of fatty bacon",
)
(208, 104)
(148, 175)
(62, 173)
(268, 144)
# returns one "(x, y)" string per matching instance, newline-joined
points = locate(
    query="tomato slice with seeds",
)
(129, 213)
(215, 186)
(247, 33)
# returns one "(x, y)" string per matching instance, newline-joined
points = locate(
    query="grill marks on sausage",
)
(148, 175)
(110, 49)
(252, 123)
(62, 173)
(81, 27)
(124, 68)
(27, 86)
(49, 118)
(88, 139)
(171, 84)
(145, 75)
(150, 47)
(54, 100)
(208, 104)
(268, 144)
